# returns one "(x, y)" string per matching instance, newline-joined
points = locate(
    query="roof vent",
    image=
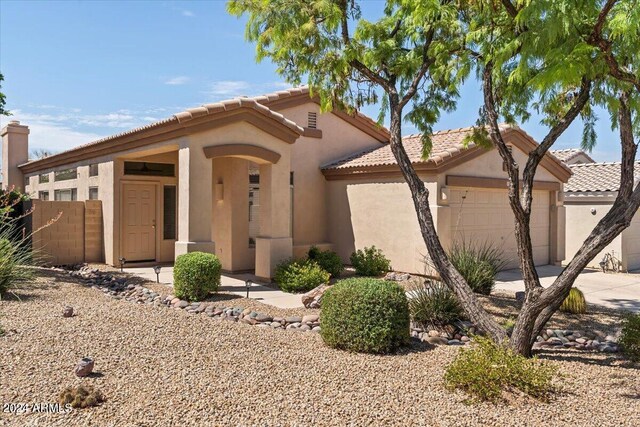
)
(312, 120)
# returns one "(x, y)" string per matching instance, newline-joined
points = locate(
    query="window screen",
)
(43, 195)
(170, 205)
(93, 193)
(65, 174)
(93, 169)
(66, 195)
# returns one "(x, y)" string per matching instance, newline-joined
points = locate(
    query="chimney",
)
(15, 151)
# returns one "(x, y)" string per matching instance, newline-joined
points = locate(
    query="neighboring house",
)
(588, 196)
(258, 180)
(572, 156)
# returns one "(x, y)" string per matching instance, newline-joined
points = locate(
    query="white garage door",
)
(484, 215)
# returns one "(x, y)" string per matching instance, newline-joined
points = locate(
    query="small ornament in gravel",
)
(67, 312)
(84, 367)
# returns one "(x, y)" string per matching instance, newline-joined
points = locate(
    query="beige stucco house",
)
(257, 180)
(589, 195)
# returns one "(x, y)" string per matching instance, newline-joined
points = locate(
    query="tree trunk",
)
(450, 276)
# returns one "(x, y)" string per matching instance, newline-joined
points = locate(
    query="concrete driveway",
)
(614, 290)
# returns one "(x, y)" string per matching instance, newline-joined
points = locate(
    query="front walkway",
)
(614, 290)
(232, 283)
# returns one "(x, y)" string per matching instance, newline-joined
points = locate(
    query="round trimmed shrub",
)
(329, 261)
(370, 262)
(195, 275)
(365, 315)
(296, 275)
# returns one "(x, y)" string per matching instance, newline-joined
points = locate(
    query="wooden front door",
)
(139, 222)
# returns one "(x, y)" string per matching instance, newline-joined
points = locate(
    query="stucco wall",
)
(339, 139)
(379, 213)
(579, 224)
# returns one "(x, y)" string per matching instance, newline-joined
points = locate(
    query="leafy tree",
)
(3, 100)
(562, 57)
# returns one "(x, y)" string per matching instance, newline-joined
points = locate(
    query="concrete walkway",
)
(234, 284)
(614, 290)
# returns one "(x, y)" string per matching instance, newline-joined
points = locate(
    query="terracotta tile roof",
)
(568, 154)
(304, 91)
(589, 177)
(446, 144)
(192, 113)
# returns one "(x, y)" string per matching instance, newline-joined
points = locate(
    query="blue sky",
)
(77, 71)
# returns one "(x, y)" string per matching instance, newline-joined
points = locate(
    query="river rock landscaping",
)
(158, 366)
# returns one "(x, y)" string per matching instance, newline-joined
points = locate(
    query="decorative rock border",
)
(575, 339)
(118, 288)
(459, 334)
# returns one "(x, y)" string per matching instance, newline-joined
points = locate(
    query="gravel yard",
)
(161, 366)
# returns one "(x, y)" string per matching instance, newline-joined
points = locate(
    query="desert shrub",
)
(488, 371)
(329, 261)
(370, 262)
(630, 337)
(80, 397)
(16, 261)
(432, 304)
(478, 264)
(195, 275)
(365, 315)
(16, 256)
(296, 275)
(574, 302)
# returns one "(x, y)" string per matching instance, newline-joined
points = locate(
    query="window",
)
(149, 169)
(65, 174)
(93, 169)
(170, 205)
(312, 120)
(44, 178)
(43, 195)
(93, 193)
(26, 181)
(66, 195)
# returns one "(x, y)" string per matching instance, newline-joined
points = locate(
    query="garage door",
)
(484, 215)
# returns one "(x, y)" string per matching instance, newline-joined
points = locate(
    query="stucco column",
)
(195, 201)
(15, 151)
(275, 243)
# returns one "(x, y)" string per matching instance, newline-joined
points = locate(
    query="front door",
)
(139, 222)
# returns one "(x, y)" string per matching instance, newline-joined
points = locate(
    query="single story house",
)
(588, 196)
(258, 180)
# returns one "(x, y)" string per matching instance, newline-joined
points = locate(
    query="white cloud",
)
(228, 88)
(179, 80)
(233, 88)
(188, 13)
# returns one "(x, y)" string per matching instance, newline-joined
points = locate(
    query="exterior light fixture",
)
(156, 270)
(122, 262)
(248, 284)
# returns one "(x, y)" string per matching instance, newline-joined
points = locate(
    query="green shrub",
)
(574, 302)
(365, 315)
(478, 264)
(329, 261)
(434, 305)
(296, 275)
(195, 275)
(487, 371)
(370, 262)
(630, 337)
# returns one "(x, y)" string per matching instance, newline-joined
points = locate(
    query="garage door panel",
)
(484, 215)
